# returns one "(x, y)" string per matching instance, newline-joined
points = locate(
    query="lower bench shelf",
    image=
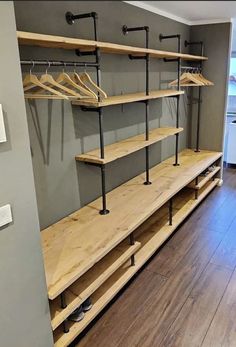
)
(76, 243)
(86, 285)
(151, 235)
(203, 179)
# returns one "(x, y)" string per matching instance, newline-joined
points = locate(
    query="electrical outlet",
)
(5, 215)
(3, 137)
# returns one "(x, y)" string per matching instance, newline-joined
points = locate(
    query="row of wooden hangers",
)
(192, 79)
(64, 86)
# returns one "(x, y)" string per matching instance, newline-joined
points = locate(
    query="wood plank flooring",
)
(186, 295)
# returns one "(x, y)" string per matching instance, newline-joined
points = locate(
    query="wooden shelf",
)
(202, 180)
(153, 233)
(82, 289)
(126, 98)
(42, 40)
(95, 235)
(125, 147)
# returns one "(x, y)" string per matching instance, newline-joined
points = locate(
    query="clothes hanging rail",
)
(58, 63)
(191, 68)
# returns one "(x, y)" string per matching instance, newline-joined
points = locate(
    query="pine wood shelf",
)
(76, 243)
(126, 98)
(202, 180)
(51, 41)
(125, 147)
(152, 234)
(78, 292)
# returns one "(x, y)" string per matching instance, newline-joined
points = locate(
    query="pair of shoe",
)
(79, 313)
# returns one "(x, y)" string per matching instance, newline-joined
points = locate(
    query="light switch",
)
(3, 137)
(5, 215)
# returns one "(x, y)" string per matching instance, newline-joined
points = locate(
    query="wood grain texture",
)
(161, 311)
(127, 98)
(222, 332)
(79, 291)
(125, 147)
(125, 310)
(150, 240)
(95, 235)
(42, 40)
(191, 324)
(100, 299)
(225, 254)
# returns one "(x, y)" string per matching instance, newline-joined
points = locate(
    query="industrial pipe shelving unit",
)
(102, 267)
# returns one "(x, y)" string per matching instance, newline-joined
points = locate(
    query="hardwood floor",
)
(186, 295)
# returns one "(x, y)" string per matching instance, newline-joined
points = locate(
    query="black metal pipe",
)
(104, 210)
(65, 326)
(147, 181)
(63, 300)
(98, 70)
(196, 190)
(70, 17)
(191, 68)
(164, 37)
(170, 211)
(100, 116)
(126, 30)
(58, 63)
(198, 119)
(131, 242)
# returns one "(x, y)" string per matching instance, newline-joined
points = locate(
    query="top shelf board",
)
(51, 41)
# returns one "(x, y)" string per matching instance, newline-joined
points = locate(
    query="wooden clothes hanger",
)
(48, 79)
(76, 78)
(64, 78)
(86, 79)
(188, 79)
(31, 82)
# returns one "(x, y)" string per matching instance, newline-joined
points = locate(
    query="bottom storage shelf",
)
(86, 285)
(151, 234)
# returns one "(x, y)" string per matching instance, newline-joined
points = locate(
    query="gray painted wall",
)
(217, 39)
(24, 312)
(59, 131)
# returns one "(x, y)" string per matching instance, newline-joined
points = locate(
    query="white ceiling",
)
(191, 12)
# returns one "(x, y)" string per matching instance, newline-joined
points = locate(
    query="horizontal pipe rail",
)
(57, 63)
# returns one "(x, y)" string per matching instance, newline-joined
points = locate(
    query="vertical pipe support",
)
(63, 300)
(198, 119)
(131, 242)
(178, 105)
(104, 210)
(125, 31)
(196, 190)
(63, 306)
(170, 211)
(147, 182)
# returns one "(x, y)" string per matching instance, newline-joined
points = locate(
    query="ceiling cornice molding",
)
(153, 9)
